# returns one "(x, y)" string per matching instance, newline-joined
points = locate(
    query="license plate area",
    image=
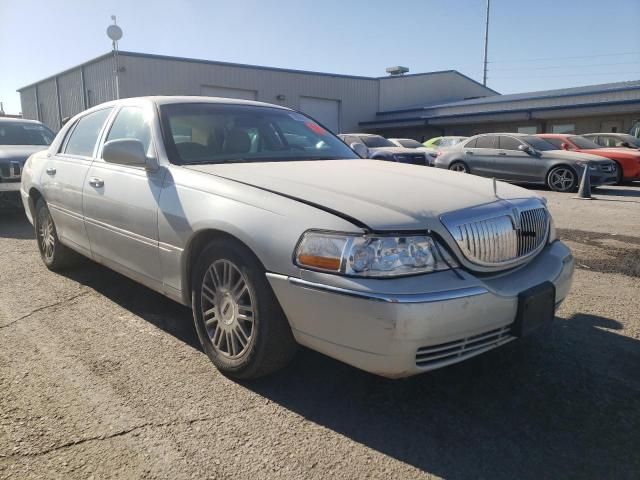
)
(536, 307)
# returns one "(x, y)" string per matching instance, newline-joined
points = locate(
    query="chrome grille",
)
(436, 355)
(499, 234)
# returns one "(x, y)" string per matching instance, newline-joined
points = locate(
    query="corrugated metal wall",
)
(48, 104)
(70, 87)
(153, 76)
(28, 103)
(99, 81)
(429, 89)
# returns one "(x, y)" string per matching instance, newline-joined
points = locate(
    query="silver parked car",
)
(379, 148)
(276, 234)
(18, 140)
(524, 158)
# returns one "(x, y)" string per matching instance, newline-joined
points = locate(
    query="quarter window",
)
(131, 123)
(509, 143)
(84, 137)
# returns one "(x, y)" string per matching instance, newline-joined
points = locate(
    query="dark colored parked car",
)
(379, 148)
(18, 140)
(524, 158)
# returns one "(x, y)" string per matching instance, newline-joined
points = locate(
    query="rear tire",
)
(562, 179)
(459, 166)
(239, 321)
(54, 254)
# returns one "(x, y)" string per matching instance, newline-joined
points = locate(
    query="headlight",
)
(584, 164)
(371, 255)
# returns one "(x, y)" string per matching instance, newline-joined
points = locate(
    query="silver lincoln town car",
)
(276, 234)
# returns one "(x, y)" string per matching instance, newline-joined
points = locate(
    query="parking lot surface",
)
(101, 377)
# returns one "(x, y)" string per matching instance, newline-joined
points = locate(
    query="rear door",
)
(480, 154)
(64, 177)
(121, 202)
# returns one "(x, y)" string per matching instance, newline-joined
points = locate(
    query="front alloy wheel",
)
(54, 254)
(562, 179)
(239, 321)
(226, 305)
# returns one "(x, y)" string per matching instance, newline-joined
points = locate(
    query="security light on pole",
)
(114, 32)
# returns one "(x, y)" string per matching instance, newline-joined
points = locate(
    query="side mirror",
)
(524, 148)
(125, 151)
(360, 148)
(564, 146)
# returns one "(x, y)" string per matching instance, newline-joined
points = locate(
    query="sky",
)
(533, 44)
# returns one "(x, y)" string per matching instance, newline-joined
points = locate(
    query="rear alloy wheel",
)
(240, 323)
(460, 167)
(562, 179)
(54, 254)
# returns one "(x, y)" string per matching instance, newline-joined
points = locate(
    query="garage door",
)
(324, 110)
(225, 92)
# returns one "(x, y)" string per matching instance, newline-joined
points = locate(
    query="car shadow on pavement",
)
(14, 224)
(565, 404)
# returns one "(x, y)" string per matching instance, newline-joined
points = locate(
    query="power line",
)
(635, 72)
(545, 67)
(566, 58)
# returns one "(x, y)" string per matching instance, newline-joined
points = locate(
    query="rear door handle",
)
(96, 182)
(469, 153)
(50, 171)
(501, 153)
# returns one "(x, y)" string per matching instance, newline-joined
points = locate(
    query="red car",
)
(628, 160)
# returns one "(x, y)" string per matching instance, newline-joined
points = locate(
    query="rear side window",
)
(84, 137)
(487, 141)
(509, 143)
(131, 123)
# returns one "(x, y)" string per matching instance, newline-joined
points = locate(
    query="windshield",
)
(219, 133)
(582, 142)
(409, 143)
(22, 133)
(538, 143)
(376, 141)
(630, 139)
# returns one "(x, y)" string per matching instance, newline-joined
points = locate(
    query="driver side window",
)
(131, 123)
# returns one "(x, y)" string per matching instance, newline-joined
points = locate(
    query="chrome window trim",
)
(403, 298)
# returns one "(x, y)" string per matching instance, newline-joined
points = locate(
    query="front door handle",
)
(502, 153)
(50, 171)
(469, 153)
(96, 182)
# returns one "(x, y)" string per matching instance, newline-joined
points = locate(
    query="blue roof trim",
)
(428, 118)
(503, 98)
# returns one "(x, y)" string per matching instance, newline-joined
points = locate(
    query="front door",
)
(511, 164)
(121, 204)
(64, 177)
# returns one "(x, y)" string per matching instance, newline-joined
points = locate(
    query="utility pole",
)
(486, 45)
(114, 32)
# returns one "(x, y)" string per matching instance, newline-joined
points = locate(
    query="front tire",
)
(54, 254)
(619, 174)
(562, 179)
(240, 324)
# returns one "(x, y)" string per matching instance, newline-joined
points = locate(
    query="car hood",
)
(382, 195)
(18, 153)
(614, 152)
(574, 156)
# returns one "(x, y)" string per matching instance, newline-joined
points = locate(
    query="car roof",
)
(19, 120)
(556, 135)
(172, 99)
(361, 134)
(609, 133)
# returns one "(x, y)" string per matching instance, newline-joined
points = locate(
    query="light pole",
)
(486, 45)
(114, 32)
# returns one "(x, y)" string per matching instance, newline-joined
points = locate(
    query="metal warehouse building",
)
(415, 105)
(340, 102)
